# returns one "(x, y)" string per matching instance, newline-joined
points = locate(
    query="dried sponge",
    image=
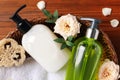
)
(11, 53)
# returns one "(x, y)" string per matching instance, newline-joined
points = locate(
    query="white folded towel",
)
(30, 70)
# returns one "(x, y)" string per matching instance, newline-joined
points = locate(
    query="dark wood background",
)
(85, 8)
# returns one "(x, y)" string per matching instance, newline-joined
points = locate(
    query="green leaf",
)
(47, 13)
(50, 21)
(51, 17)
(69, 43)
(63, 46)
(55, 15)
(59, 40)
(70, 38)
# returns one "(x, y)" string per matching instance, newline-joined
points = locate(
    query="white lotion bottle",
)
(38, 41)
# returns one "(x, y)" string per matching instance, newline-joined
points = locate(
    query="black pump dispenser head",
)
(23, 25)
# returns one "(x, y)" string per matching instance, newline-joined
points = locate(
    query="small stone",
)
(106, 11)
(114, 22)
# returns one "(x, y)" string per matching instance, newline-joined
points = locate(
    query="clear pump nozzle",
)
(94, 22)
(92, 31)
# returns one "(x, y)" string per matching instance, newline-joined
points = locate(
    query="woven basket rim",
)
(42, 20)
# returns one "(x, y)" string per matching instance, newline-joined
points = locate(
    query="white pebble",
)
(106, 11)
(114, 22)
(41, 5)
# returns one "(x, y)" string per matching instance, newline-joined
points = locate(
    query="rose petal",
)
(106, 11)
(41, 5)
(114, 22)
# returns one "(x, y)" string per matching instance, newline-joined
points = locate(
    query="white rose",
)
(109, 71)
(67, 25)
(41, 5)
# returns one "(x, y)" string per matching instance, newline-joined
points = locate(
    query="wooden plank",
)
(85, 8)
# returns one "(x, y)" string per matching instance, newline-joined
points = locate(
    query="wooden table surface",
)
(85, 8)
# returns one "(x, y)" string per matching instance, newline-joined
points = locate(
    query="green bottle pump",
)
(84, 63)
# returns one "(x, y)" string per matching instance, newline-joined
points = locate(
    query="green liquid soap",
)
(85, 59)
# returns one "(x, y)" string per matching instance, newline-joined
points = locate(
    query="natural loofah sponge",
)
(11, 53)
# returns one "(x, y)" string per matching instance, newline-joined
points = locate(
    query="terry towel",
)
(30, 70)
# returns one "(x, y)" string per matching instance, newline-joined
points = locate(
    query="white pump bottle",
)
(38, 41)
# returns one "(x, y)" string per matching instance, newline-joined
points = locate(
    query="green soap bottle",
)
(85, 59)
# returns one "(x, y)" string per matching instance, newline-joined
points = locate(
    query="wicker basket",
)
(108, 50)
